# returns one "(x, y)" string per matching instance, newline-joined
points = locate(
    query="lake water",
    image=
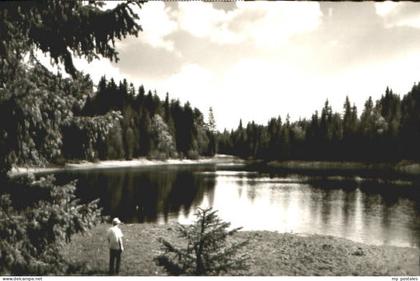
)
(361, 208)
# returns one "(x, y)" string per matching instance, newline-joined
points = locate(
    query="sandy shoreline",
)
(402, 167)
(106, 164)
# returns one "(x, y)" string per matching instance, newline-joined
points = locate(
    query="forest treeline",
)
(148, 126)
(65, 120)
(386, 130)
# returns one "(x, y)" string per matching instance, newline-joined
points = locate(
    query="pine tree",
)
(62, 27)
(211, 121)
(207, 250)
(33, 230)
(366, 119)
(212, 146)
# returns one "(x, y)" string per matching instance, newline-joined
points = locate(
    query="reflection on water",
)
(143, 195)
(361, 209)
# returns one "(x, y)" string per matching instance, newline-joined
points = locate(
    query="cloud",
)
(401, 14)
(225, 6)
(203, 21)
(198, 33)
(257, 60)
(98, 68)
(191, 80)
(280, 21)
(141, 60)
(385, 8)
(352, 35)
(155, 19)
(191, 83)
(264, 23)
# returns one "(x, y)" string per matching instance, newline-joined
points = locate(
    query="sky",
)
(257, 60)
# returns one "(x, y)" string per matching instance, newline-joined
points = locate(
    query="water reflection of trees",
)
(348, 207)
(147, 195)
(369, 210)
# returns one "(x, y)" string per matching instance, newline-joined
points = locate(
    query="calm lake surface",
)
(367, 209)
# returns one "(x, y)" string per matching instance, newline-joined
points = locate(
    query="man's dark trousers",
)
(114, 261)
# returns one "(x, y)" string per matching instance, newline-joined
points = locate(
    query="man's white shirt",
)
(115, 236)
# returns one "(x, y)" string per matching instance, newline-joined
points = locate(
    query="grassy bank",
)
(402, 167)
(270, 253)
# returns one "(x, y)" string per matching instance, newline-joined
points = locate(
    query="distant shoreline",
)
(139, 162)
(402, 167)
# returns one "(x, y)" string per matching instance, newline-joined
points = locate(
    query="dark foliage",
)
(53, 119)
(36, 106)
(35, 102)
(63, 28)
(33, 233)
(387, 130)
(149, 126)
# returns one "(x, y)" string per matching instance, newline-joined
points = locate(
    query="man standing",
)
(114, 236)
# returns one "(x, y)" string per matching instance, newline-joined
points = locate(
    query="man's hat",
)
(116, 221)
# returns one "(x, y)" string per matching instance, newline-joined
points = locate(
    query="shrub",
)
(161, 137)
(156, 155)
(31, 236)
(206, 251)
(193, 154)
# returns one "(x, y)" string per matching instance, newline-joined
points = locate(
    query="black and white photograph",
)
(209, 138)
